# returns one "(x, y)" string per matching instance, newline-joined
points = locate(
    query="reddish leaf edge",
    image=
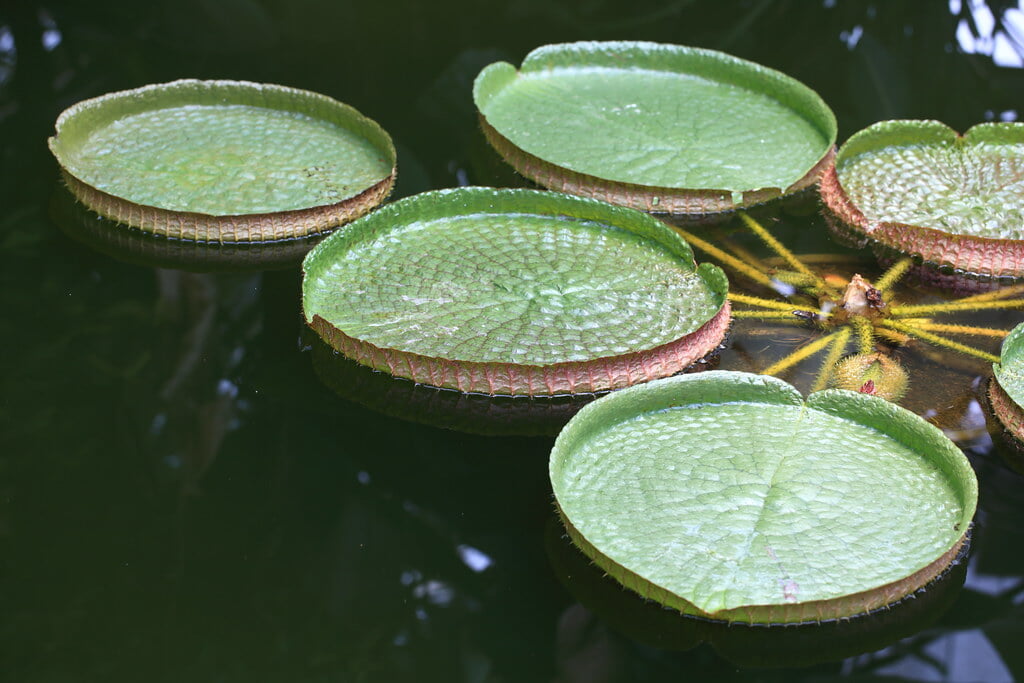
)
(514, 379)
(651, 199)
(974, 257)
(815, 611)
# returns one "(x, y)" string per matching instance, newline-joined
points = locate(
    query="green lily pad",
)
(919, 188)
(660, 128)
(1006, 391)
(224, 160)
(728, 496)
(514, 292)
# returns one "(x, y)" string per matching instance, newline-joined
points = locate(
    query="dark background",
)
(182, 499)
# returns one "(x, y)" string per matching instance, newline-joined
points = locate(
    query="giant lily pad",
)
(661, 128)
(919, 188)
(726, 495)
(1006, 391)
(514, 292)
(224, 161)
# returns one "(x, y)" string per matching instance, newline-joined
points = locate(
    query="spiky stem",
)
(960, 329)
(741, 252)
(762, 303)
(835, 352)
(891, 336)
(1004, 293)
(776, 246)
(829, 259)
(953, 306)
(939, 341)
(795, 279)
(865, 334)
(893, 275)
(796, 356)
(723, 257)
(769, 315)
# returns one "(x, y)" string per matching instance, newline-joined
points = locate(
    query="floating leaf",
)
(727, 496)
(661, 128)
(514, 292)
(1006, 391)
(919, 188)
(224, 161)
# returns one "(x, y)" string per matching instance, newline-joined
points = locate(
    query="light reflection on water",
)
(980, 31)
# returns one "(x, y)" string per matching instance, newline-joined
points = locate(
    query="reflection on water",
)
(136, 246)
(994, 29)
(182, 499)
(750, 646)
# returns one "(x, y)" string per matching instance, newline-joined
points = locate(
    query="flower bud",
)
(871, 373)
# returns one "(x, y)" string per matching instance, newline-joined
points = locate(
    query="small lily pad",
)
(1006, 391)
(661, 128)
(224, 161)
(728, 496)
(919, 188)
(514, 292)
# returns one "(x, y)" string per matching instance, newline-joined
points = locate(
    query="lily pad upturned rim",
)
(78, 119)
(727, 387)
(971, 255)
(509, 378)
(683, 59)
(1006, 401)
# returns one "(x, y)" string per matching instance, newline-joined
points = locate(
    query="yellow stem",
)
(953, 306)
(777, 247)
(865, 334)
(893, 336)
(836, 352)
(803, 352)
(994, 295)
(893, 275)
(725, 258)
(795, 279)
(830, 259)
(763, 303)
(768, 315)
(741, 252)
(940, 341)
(959, 329)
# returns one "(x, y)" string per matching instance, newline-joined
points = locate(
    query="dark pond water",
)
(189, 492)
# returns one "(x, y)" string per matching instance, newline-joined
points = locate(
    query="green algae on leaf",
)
(1006, 390)
(661, 128)
(919, 188)
(728, 496)
(224, 161)
(514, 292)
